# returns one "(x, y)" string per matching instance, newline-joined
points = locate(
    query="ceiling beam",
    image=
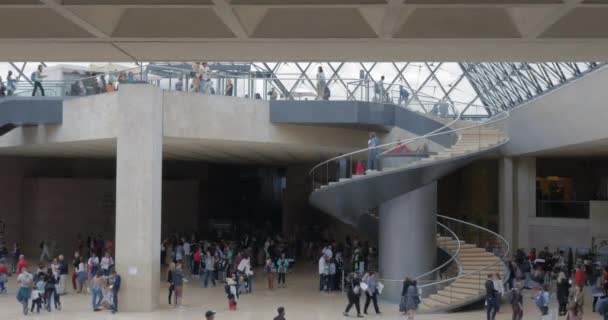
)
(223, 10)
(72, 17)
(551, 19)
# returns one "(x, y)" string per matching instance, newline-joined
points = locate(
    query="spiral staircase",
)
(351, 199)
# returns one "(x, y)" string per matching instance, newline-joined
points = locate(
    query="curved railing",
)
(500, 248)
(496, 121)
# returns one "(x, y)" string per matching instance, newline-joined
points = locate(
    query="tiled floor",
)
(301, 300)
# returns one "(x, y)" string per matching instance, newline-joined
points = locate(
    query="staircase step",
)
(466, 291)
(444, 299)
(465, 285)
(434, 304)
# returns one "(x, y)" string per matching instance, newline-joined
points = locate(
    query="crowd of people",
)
(550, 275)
(45, 282)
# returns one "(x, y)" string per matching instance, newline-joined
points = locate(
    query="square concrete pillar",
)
(506, 223)
(525, 199)
(139, 125)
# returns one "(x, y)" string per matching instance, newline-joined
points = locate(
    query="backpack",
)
(540, 300)
(34, 76)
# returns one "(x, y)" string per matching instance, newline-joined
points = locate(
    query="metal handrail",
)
(501, 260)
(437, 132)
(453, 255)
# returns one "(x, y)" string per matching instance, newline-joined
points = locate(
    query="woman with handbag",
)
(412, 300)
(354, 295)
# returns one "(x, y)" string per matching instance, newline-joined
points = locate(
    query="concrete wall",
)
(58, 209)
(573, 114)
(230, 119)
(555, 232)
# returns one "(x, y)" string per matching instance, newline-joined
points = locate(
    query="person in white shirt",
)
(187, 254)
(106, 263)
(205, 72)
(320, 83)
(322, 265)
(244, 268)
(500, 289)
(93, 262)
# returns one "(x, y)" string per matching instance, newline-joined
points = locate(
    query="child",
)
(232, 292)
(37, 295)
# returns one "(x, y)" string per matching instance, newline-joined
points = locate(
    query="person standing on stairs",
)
(373, 142)
(490, 298)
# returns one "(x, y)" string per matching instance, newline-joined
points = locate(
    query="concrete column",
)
(407, 238)
(525, 199)
(506, 223)
(139, 160)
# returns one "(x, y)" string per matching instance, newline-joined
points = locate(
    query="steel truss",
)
(509, 84)
(441, 80)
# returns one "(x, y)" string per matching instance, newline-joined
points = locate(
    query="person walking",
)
(178, 283)
(281, 314)
(3, 276)
(354, 295)
(542, 300)
(373, 152)
(269, 270)
(98, 284)
(282, 269)
(576, 303)
(517, 303)
(229, 88)
(321, 83)
(25, 282)
(93, 264)
(500, 290)
(322, 281)
(11, 84)
(209, 268)
(412, 300)
(490, 298)
(371, 294)
(170, 281)
(82, 275)
(106, 263)
(563, 290)
(50, 291)
(37, 77)
(63, 275)
(115, 287)
(205, 76)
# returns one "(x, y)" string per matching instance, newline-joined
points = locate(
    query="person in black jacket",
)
(170, 280)
(115, 289)
(563, 291)
(50, 291)
(490, 298)
(354, 295)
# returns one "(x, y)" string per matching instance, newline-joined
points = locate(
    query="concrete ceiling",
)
(364, 30)
(590, 149)
(186, 150)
